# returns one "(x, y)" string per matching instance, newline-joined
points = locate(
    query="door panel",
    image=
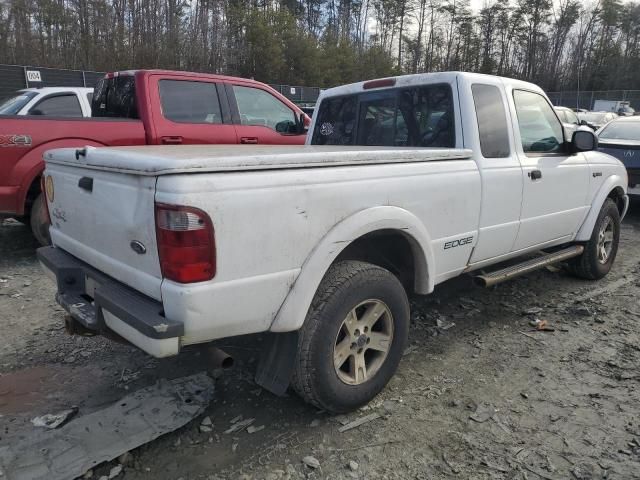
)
(555, 183)
(263, 118)
(190, 112)
(500, 171)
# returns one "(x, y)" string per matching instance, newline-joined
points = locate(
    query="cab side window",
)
(540, 130)
(189, 102)
(492, 121)
(58, 106)
(259, 108)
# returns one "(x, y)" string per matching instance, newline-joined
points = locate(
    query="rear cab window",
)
(115, 97)
(421, 116)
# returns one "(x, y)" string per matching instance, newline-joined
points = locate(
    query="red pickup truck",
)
(137, 108)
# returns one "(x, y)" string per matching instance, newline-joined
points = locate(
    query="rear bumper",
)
(99, 302)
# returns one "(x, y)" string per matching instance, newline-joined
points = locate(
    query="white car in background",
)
(569, 119)
(49, 101)
(596, 120)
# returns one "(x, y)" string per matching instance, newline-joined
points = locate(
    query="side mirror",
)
(583, 122)
(35, 111)
(583, 141)
(286, 126)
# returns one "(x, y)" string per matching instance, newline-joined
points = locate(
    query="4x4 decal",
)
(15, 140)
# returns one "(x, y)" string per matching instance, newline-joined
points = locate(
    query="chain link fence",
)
(16, 77)
(587, 99)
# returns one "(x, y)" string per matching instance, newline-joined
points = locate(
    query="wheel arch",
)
(614, 188)
(343, 242)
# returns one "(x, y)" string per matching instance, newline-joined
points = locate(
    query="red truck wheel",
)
(40, 221)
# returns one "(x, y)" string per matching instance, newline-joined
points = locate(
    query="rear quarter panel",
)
(268, 225)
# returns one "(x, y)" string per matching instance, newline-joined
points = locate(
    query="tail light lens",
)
(186, 244)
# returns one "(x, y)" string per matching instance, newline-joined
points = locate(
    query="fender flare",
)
(611, 183)
(295, 306)
(35, 159)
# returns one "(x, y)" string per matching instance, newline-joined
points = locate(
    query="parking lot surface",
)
(480, 392)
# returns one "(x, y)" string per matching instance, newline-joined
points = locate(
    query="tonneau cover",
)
(166, 160)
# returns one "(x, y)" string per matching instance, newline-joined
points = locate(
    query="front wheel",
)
(601, 249)
(353, 337)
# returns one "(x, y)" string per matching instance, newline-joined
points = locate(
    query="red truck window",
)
(115, 97)
(190, 102)
(257, 107)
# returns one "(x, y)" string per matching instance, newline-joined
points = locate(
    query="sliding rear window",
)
(408, 117)
(115, 97)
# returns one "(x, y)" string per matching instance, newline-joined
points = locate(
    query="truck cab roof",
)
(423, 78)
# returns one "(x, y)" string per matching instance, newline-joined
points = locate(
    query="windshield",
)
(13, 104)
(621, 130)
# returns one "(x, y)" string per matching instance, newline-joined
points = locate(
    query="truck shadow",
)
(17, 244)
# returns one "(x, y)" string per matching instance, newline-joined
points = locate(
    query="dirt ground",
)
(488, 398)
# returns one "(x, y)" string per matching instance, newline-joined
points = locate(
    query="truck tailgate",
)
(106, 219)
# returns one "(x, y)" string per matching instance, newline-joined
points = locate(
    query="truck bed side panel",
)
(267, 224)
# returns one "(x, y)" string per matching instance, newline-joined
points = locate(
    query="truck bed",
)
(167, 160)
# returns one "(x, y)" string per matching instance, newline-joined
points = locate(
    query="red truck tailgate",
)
(105, 219)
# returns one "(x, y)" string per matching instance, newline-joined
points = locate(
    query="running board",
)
(499, 276)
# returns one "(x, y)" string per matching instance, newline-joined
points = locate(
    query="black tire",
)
(346, 285)
(40, 221)
(588, 265)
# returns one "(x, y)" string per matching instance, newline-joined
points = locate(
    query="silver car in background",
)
(621, 139)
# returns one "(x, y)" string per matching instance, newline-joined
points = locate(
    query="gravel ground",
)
(480, 394)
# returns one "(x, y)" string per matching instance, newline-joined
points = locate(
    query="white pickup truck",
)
(321, 244)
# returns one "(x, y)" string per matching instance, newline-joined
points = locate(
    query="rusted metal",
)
(218, 358)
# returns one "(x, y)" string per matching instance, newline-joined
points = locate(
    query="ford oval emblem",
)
(138, 247)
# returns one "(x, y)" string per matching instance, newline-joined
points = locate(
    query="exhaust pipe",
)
(499, 276)
(218, 358)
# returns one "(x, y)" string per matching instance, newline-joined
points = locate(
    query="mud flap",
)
(277, 361)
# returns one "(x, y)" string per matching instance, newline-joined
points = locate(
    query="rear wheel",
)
(353, 337)
(39, 220)
(600, 251)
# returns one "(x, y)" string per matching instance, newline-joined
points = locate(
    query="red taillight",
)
(186, 245)
(383, 82)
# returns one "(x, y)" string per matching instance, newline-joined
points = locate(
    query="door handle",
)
(250, 140)
(535, 174)
(175, 140)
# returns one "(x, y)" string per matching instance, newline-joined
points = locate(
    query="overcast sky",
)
(478, 4)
